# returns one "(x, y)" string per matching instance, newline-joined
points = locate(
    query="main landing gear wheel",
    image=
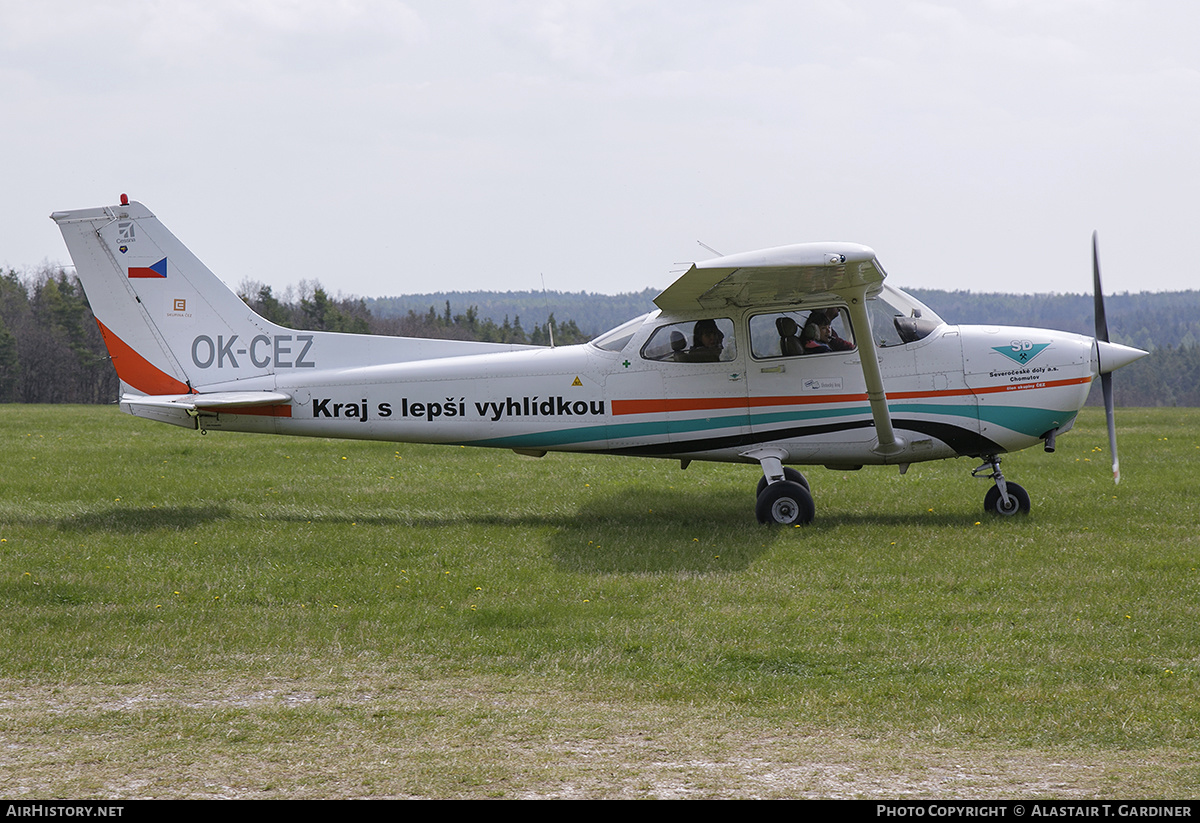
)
(788, 474)
(1018, 501)
(786, 503)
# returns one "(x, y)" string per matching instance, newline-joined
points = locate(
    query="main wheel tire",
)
(788, 474)
(785, 503)
(1018, 501)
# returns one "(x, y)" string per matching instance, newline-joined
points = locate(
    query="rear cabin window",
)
(798, 333)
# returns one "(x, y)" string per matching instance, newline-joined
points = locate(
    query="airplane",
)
(793, 355)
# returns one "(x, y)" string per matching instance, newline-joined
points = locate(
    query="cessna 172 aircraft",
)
(787, 356)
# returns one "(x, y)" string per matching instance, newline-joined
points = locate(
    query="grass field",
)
(255, 617)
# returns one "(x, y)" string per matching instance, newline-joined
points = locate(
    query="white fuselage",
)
(961, 390)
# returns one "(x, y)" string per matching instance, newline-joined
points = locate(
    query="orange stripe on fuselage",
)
(1034, 384)
(137, 371)
(282, 410)
(687, 404)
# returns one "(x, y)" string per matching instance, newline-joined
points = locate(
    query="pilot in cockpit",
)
(819, 336)
(707, 342)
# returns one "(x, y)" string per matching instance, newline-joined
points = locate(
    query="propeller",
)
(1109, 357)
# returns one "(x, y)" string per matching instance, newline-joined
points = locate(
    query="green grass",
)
(248, 616)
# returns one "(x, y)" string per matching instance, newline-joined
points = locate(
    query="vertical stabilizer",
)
(171, 326)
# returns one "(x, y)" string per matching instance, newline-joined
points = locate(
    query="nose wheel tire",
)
(1018, 501)
(785, 503)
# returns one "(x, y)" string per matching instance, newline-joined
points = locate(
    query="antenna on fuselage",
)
(710, 248)
(549, 325)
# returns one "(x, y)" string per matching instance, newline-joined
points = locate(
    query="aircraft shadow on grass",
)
(133, 520)
(637, 530)
(697, 532)
(647, 529)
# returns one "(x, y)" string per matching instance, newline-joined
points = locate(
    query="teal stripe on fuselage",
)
(771, 418)
(561, 437)
(614, 431)
(1033, 422)
(1022, 419)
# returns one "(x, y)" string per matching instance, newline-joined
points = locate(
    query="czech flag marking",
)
(159, 269)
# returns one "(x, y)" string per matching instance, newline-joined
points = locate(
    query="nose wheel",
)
(1017, 503)
(1004, 499)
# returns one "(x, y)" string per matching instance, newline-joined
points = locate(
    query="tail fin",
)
(171, 326)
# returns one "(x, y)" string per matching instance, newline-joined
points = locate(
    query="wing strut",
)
(889, 443)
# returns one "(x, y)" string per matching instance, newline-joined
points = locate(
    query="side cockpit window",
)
(797, 333)
(696, 341)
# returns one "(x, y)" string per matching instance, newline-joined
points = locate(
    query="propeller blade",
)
(1106, 385)
(1097, 293)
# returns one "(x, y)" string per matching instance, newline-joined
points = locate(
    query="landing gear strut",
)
(1004, 499)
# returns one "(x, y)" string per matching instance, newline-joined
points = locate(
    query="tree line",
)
(593, 312)
(51, 350)
(311, 307)
(50, 347)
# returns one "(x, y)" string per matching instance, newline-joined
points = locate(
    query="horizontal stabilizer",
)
(183, 409)
(214, 401)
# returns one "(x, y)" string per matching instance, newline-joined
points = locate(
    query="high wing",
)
(784, 275)
(790, 275)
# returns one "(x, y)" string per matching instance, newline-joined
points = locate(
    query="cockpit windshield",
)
(615, 340)
(898, 318)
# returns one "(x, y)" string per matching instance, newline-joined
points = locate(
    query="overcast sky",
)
(386, 147)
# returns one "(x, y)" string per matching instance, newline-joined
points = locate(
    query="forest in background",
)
(51, 350)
